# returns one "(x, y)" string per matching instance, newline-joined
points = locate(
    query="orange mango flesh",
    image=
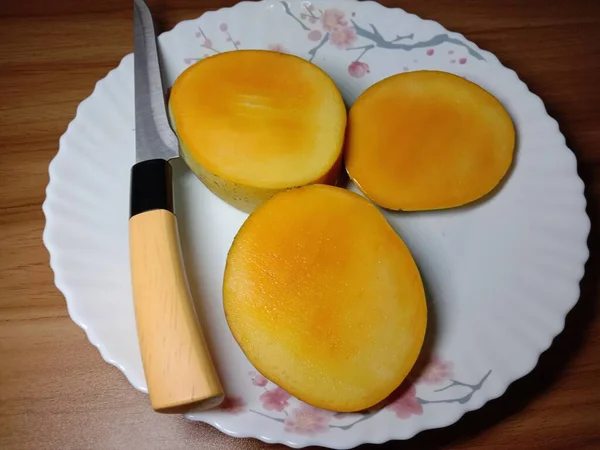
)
(324, 298)
(427, 140)
(254, 122)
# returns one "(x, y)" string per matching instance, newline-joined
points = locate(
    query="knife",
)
(178, 368)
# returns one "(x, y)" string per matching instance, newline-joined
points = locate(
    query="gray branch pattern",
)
(267, 416)
(463, 399)
(379, 41)
(288, 11)
(362, 419)
(313, 51)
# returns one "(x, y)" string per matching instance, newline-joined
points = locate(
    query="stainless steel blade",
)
(153, 134)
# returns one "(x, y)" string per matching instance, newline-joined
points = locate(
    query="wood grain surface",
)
(55, 390)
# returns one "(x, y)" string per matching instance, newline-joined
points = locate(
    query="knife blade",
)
(178, 368)
(153, 134)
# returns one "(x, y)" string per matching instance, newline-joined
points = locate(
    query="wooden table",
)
(55, 390)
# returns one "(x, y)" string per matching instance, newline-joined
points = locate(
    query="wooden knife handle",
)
(177, 365)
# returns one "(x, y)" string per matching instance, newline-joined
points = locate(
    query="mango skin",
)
(324, 298)
(243, 197)
(257, 132)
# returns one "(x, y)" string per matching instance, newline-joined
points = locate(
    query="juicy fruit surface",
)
(260, 119)
(324, 298)
(427, 140)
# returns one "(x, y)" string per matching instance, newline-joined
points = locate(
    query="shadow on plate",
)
(196, 282)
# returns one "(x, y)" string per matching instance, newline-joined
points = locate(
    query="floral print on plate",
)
(343, 30)
(299, 418)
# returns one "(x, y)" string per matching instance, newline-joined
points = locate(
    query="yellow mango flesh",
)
(427, 140)
(252, 123)
(324, 298)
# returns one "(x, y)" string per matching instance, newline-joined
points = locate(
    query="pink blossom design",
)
(315, 35)
(278, 48)
(188, 60)
(462, 60)
(430, 52)
(342, 37)
(233, 405)
(333, 18)
(198, 34)
(452, 61)
(407, 404)
(207, 43)
(436, 371)
(223, 27)
(275, 399)
(258, 379)
(358, 69)
(312, 19)
(307, 420)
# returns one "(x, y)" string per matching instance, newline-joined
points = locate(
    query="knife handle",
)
(177, 365)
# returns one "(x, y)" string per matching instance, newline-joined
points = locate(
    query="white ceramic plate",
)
(500, 275)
